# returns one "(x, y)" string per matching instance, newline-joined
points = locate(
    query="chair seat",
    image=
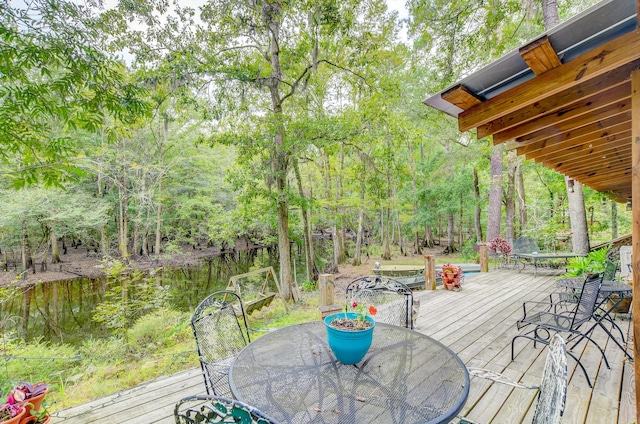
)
(557, 322)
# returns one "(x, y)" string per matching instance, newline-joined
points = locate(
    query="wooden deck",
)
(477, 323)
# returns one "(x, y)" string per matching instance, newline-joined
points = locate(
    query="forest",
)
(147, 127)
(142, 129)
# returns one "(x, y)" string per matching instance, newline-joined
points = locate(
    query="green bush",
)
(161, 328)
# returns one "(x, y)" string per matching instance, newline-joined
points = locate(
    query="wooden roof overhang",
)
(571, 101)
(563, 100)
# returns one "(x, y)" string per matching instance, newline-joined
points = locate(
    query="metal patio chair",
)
(553, 386)
(393, 299)
(216, 409)
(547, 323)
(221, 331)
(571, 296)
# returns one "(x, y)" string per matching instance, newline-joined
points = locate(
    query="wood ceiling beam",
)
(540, 55)
(605, 153)
(596, 62)
(583, 107)
(596, 115)
(554, 103)
(596, 147)
(587, 130)
(612, 133)
(619, 177)
(461, 96)
(600, 114)
(606, 168)
(596, 167)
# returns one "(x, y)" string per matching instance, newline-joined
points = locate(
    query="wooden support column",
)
(429, 272)
(484, 257)
(635, 241)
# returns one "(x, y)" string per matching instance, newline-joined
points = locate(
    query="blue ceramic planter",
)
(349, 347)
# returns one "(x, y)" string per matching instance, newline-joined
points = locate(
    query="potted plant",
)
(349, 334)
(10, 413)
(29, 395)
(37, 417)
(451, 276)
(500, 248)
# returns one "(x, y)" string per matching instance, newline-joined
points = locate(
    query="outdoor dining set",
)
(291, 375)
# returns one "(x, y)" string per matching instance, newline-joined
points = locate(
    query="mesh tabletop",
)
(405, 377)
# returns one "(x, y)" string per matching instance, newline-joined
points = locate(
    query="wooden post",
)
(484, 257)
(429, 272)
(635, 235)
(326, 304)
(327, 287)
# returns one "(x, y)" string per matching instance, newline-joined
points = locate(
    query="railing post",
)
(429, 272)
(326, 289)
(484, 257)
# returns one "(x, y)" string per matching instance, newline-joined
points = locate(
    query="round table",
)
(405, 377)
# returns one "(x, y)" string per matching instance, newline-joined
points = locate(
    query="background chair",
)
(546, 323)
(553, 386)
(215, 409)
(220, 328)
(393, 299)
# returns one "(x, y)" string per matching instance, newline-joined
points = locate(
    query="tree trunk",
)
(55, 251)
(27, 260)
(311, 269)
(550, 13)
(450, 231)
(495, 194)
(510, 201)
(339, 219)
(357, 259)
(428, 237)
(614, 220)
(578, 217)
(387, 218)
(333, 267)
(522, 204)
(476, 196)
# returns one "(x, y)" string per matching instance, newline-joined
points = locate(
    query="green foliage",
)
(54, 80)
(131, 295)
(595, 262)
(160, 329)
(309, 286)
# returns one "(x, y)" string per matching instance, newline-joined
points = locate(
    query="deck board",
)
(478, 324)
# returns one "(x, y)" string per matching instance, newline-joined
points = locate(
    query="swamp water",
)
(62, 311)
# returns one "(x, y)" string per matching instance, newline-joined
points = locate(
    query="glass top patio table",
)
(405, 377)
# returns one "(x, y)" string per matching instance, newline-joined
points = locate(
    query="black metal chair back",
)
(392, 299)
(546, 323)
(220, 329)
(216, 409)
(610, 270)
(587, 300)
